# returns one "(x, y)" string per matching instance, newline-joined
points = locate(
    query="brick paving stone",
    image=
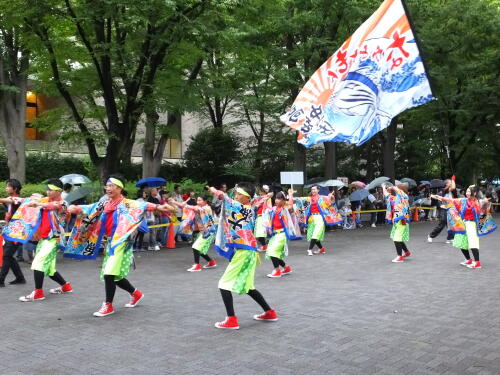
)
(349, 312)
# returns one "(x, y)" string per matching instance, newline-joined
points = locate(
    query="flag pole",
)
(419, 45)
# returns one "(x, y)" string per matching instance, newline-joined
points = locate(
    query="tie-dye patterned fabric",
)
(398, 207)
(327, 209)
(87, 234)
(25, 223)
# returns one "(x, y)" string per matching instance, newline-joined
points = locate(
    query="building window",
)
(173, 149)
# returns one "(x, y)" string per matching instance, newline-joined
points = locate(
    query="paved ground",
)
(349, 312)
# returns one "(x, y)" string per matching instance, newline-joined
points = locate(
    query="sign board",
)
(292, 178)
(345, 180)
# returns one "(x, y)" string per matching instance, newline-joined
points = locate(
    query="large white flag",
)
(375, 75)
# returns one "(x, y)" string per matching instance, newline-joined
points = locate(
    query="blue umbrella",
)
(425, 182)
(359, 195)
(151, 182)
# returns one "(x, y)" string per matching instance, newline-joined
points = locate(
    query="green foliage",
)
(210, 152)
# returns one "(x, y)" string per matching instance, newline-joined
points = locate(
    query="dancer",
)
(282, 227)
(260, 204)
(318, 211)
(41, 218)
(448, 191)
(199, 219)
(10, 248)
(114, 218)
(467, 224)
(398, 213)
(235, 240)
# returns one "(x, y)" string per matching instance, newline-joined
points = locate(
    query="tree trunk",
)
(13, 113)
(389, 147)
(330, 160)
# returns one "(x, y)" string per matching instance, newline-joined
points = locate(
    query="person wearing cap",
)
(318, 211)
(449, 191)
(281, 227)
(465, 215)
(116, 219)
(12, 188)
(398, 213)
(42, 218)
(235, 231)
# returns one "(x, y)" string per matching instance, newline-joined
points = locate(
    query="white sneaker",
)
(373, 225)
(157, 248)
(151, 248)
(429, 239)
(315, 252)
(309, 252)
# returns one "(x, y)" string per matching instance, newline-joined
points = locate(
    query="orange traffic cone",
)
(171, 236)
(415, 214)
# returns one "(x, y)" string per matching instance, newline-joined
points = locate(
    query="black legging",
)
(262, 240)
(400, 247)
(475, 254)
(315, 242)
(9, 262)
(39, 276)
(227, 297)
(277, 262)
(197, 255)
(110, 286)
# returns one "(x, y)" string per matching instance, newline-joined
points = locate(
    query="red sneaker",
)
(194, 268)
(135, 298)
(36, 295)
(287, 270)
(276, 273)
(210, 264)
(407, 254)
(398, 259)
(231, 322)
(66, 288)
(322, 251)
(474, 265)
(269, 315)
(106, 309)
(466, 262)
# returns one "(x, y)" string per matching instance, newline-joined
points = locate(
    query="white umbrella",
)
(377, 182)
(74, 179)
(334, 183)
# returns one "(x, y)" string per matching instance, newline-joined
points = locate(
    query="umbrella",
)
(314, 181)
(358, 183)
(74, 179)
(437, 183)
(410, 181)
(377, 182)
(359, 195)
(151, 182)
(425, 182)
(79, 193)
(334, 183)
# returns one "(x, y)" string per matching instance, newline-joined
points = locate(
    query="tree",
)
(14, 63)
(210, 153)
(104, 58)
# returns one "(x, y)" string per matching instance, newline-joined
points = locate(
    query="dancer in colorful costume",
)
(448, 191)
(10, 248)
(41, 218)
(398, 213)
(260, 204)
(235, 240)
(468, 225)
(318, 210)
(199, 219)
(281, 225)
(114, 218)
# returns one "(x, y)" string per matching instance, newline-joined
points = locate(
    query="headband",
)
(242, 192)
(53, 187)
(115, 181)
(472, 187)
